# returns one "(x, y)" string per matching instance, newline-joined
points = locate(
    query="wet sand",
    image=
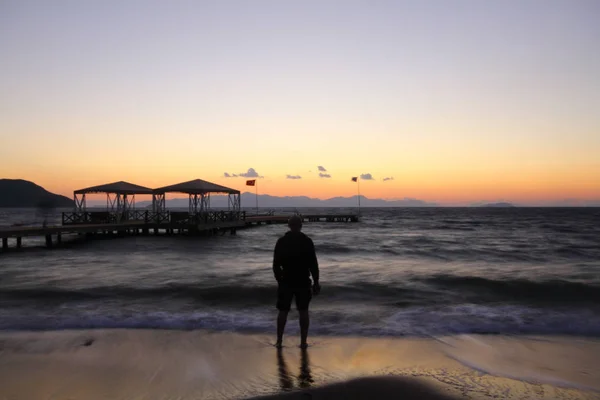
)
(154, 364)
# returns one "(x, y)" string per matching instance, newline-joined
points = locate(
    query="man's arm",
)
(314, 264)
(277, 271)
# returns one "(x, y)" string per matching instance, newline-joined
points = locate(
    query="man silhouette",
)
(294, 262)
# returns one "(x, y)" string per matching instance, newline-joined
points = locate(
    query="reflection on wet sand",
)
(286, 381)
(305, 379)
(154, 364)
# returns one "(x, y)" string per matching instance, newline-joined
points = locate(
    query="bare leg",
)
(304, 323)
(281, 320)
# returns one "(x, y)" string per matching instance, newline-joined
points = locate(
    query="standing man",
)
(294, 261)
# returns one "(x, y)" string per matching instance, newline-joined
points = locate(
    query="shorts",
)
(285, 295)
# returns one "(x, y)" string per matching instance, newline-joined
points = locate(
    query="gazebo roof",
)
(120, 187)
(196, 186)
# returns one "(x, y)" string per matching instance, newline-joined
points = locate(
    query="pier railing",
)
(162, 217)
(205, 217)
(88, 217)
(72, 218)
(159, 217)
(108, 217)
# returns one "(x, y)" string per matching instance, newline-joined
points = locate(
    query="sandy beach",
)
(163, 364)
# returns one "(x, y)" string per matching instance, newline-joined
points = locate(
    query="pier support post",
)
(48, 240)
(156, 231)
(59, 238)
(4, 243)
(18, 243)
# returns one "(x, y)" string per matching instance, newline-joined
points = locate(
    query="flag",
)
(251, 182)
(355, 179)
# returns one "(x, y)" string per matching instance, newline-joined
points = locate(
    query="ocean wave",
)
(434, 289)
(352, 321)
(575, 252)
(207, 294)
(494, 319)
(452, 228)
(222, 294)
(521, 289)
(429, 247)
(337, 248)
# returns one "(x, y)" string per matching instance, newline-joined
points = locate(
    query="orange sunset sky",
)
(458, 101)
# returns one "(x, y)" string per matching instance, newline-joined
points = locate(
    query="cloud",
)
(389, 178)
(293, 177)
(367, 177)
(322, 175)
(251, 173)
(322, 168)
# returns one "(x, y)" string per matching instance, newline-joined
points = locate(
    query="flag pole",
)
(358, 181)
(256, 188)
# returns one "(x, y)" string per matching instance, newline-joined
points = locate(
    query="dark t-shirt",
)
(294, 260)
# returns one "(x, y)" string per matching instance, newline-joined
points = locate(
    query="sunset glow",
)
(485, 101)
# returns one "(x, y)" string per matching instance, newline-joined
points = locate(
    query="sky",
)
(453, 101)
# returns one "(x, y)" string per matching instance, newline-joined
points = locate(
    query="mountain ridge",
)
(248, 200)
(502, 204)
(22, 193)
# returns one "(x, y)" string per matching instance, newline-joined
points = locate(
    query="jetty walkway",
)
(54, 234)
(122, 219)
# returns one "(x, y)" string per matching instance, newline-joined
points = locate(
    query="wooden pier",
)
(213, 223)
(282, 219)
(122, 219)
(54, 234)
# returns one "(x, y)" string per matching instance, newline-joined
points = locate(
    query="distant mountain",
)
(20, 193)
(499, 205)
(268, 201)
(569, 203)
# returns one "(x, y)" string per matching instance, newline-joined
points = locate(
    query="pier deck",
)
(145, 227)
(282, 219)
(123, 228)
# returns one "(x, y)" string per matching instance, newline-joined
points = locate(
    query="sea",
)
(398, 272)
